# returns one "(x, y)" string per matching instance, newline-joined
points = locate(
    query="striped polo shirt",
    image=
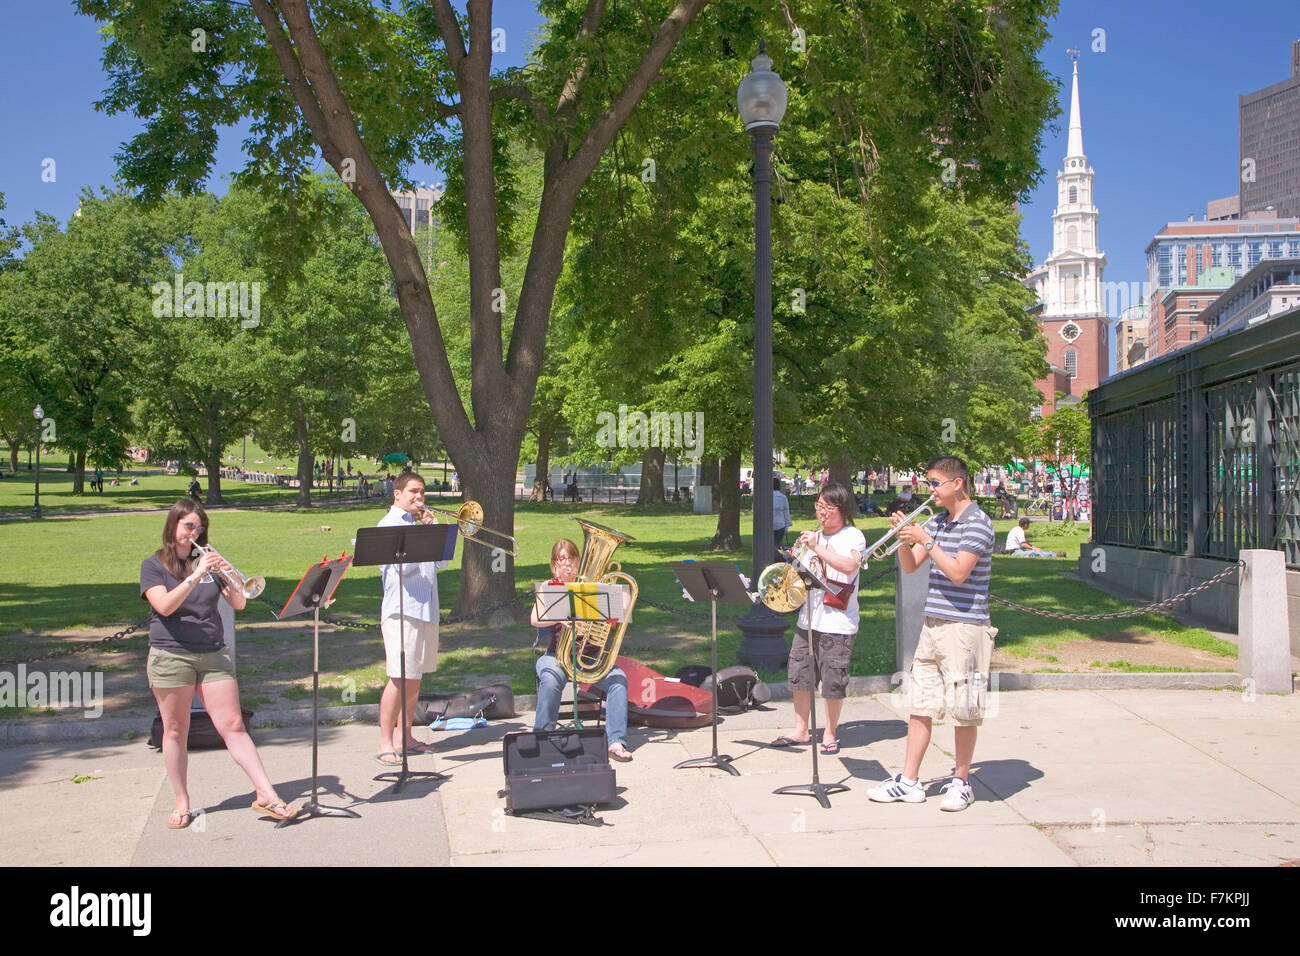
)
(972, 531)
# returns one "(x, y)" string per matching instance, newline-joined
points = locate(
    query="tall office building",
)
(1071, 311)
(1270, 146)
(1199, 259)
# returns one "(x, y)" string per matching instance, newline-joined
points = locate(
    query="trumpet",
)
(469, 519)
(878, 551)
(250, 587)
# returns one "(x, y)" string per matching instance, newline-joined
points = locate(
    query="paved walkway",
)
(1062, 778)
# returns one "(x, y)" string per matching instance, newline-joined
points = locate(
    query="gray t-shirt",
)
(970, 531)
(195, 626)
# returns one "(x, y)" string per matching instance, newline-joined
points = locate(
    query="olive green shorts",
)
(183, 669)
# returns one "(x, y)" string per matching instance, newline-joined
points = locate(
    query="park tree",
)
(331, 325)
(896, 309)
(205, 361)
(72, 316)
(1063, 441)
(373, 88)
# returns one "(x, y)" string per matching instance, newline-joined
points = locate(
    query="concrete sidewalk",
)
(1062, 778)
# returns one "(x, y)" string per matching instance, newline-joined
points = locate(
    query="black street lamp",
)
(762, 100)
(39, 414)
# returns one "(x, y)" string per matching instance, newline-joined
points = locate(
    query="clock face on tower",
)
(1071, 331)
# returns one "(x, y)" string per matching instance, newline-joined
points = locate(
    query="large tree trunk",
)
(652, 478)
(543, 464)
(79, 473)
(727, 537)
(487, 578)
(12, 442)
(306, 463)
(213, 460)
(840, 471)
(709, 473)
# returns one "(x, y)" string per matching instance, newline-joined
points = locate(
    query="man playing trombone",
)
(418, 630)
(956, 640)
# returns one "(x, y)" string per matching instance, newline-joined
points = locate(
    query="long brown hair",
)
(167, 553)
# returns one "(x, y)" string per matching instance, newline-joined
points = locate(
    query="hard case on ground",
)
(546, 770)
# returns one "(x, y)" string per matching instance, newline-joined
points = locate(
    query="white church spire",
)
(1076, 127)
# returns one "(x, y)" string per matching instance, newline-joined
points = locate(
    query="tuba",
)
(597, 649)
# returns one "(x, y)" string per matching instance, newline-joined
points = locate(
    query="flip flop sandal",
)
(784, 741)
(394, 762)
(620, 753)
(186, 819)
(832, 748)
(273, 809)
(420, 749)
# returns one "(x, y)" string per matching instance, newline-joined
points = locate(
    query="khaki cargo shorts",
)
(950, 672)
(183, 669)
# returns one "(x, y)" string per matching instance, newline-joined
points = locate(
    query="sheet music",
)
(597, 602)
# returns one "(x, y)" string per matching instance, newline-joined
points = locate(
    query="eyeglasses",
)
(936, 484)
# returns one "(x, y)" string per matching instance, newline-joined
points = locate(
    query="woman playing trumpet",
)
(188, 654)
(822, 627)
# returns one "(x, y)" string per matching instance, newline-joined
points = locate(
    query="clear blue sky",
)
(1159, 108)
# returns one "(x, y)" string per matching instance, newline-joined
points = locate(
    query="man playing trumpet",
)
(956, 640)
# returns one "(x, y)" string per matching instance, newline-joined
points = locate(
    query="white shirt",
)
(826, 619)
(1015, 539)
(780, 511)
(420, 581)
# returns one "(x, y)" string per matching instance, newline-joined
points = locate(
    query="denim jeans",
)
(550, 682)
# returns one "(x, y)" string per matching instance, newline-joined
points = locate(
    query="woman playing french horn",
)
(827, 624)
(188, 655)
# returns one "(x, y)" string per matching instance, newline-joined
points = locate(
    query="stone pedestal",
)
(1263, 627)
(910, 591)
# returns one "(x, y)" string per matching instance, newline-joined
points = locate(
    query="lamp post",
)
(762, 100)
(39, 414)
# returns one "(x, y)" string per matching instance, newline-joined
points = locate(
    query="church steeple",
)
(1075, 147)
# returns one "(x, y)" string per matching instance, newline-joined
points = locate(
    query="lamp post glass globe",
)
(38, 413)
(762, 97)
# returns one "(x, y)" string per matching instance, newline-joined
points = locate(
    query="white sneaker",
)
(957, 795)
(896, 789)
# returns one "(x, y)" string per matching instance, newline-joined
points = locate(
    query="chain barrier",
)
(1164, 605)
(84, 646)
(524, 600)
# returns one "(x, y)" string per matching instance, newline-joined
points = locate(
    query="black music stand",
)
(402, 545)
(816, 788)
(563, 605)
(312, 593)
(712, 581)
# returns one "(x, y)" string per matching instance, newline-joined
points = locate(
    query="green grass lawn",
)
(76, 571)
(157, 490)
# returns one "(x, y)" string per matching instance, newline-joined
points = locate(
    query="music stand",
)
(313, 592)
(816, 788)
(712, 581)
(573, 604)
(401, 545)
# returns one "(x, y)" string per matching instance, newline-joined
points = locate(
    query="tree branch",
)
(567, 105)
(334, 128)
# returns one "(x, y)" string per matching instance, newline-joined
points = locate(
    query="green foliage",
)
(72, 320)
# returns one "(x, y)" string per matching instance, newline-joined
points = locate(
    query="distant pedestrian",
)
(780, 513)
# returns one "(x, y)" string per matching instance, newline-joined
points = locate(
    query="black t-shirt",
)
(195, 626)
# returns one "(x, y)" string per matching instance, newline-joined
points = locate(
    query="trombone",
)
(469, 519)
(879, 551)
(249, 586)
